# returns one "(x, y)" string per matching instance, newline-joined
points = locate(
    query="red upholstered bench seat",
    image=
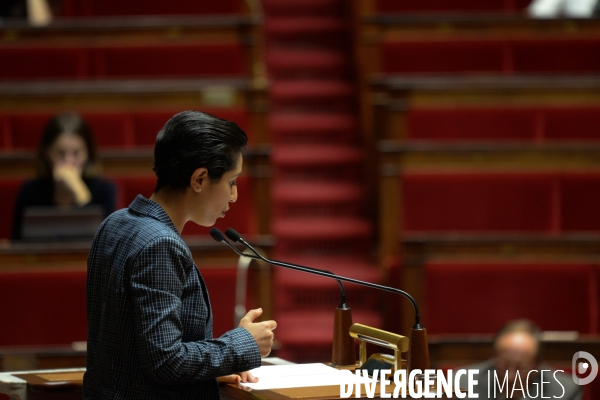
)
(111, 128)
(479, 297)
(101, 8)
(167, 61)
(418, 6)
(500, 202)
(504, 123)
(491, 56)
(42, 308)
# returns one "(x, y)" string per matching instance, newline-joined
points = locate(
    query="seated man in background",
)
(517, 368)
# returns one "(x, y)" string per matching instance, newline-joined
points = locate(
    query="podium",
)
(67, 385)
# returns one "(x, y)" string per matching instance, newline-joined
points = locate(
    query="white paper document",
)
(300, 375)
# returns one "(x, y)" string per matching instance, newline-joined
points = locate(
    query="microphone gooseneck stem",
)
(218, 236)
(337, 277)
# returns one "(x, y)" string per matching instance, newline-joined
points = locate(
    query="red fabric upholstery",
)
(220, 282)
(500, 123)
(567, 56)
(9, 187)
(241, 215)
(226, 59)
(26, 129)
(580, 202)
(215, 59)
(96, 8)
(499, 56)
(442, 56)
(484, 296)
(385, 6)
(43, 62)
(477, 202)
(110, 129)
(572, 123)
(42, 308)
(472, 124)
(5, 137)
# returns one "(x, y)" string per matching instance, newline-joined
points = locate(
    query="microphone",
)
(418, 357)
(219, 237)
(343, 352)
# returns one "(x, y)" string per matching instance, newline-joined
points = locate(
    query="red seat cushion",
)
(97, 8)
(478, 202)
(443, 56)
(580, 202)
(177, 61)
(43, 62)
(572, 123)
(480, 297)
(42, 308)
(472, 124)
(387, 6)
(559, 55)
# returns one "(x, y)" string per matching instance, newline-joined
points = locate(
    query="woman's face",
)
(68, 150)
(216, 196)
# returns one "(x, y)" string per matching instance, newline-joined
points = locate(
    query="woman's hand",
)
(245, 376)
(70, 188)
(261, 331)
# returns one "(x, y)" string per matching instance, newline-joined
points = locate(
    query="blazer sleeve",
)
(157, 282)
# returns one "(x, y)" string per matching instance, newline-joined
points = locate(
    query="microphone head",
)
(217, 234)
(233, 235)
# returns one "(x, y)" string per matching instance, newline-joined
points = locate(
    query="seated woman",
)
(67, 175)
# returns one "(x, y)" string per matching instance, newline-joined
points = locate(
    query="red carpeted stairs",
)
(319, 203)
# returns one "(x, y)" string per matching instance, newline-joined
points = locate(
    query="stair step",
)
(311, 128)
(304, 7)
(286, 91)
(308, 63)
(322, 155)
(323, 228)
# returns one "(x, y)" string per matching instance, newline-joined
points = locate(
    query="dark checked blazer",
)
(149, 315)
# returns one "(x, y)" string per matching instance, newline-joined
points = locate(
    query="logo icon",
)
(581, 368)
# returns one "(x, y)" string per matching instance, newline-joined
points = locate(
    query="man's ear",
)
(199, 179)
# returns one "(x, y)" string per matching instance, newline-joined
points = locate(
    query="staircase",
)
(319, 215)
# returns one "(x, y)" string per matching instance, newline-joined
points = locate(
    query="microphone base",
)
(344, 353)
(418, 356)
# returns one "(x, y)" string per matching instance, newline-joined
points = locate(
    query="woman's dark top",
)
(39, 192)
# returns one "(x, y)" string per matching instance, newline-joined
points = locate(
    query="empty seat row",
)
(416, 6)
(47, 307)
(500, 202)
(547, 55)
(111, 129)
(504, 123)
(104, 8)
(482, 296)
(173, 60)
(241, 215)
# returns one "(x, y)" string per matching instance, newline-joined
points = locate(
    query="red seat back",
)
(42, 308)
(463, 298)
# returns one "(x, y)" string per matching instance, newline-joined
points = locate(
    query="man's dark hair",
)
(192, 140)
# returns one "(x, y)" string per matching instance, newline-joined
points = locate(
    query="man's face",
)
(515, 351)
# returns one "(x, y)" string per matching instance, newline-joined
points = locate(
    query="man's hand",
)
(262, 332)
